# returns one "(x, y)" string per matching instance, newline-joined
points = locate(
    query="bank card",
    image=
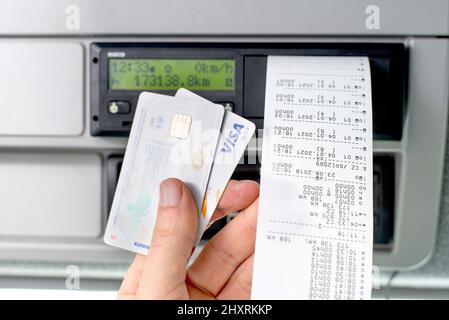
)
(236, 132)
(170, 137)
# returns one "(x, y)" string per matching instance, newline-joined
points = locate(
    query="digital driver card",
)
(170, 137)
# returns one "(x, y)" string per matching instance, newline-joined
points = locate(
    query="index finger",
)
(225, 252)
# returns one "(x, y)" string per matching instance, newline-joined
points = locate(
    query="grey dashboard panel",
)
(42, 88)
(422, 148)
(232, 17)
(418, 156)
(55, 196)
(425, 121)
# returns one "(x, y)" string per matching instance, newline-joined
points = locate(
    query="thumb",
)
(164, 272)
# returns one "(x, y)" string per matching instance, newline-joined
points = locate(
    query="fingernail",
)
(236, 186)
(170, 192)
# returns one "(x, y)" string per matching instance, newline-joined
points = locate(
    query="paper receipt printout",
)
(314, 231)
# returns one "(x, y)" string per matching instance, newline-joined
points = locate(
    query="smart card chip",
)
(180, 126)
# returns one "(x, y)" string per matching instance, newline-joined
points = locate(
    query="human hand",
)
(223, 270)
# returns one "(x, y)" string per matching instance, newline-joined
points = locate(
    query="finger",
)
(237, 196)
(198, 294)
(239, 285)
(222, 255)
(164, 272)
(131, 280)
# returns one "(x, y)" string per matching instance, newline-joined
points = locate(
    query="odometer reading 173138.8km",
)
(172, 74)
